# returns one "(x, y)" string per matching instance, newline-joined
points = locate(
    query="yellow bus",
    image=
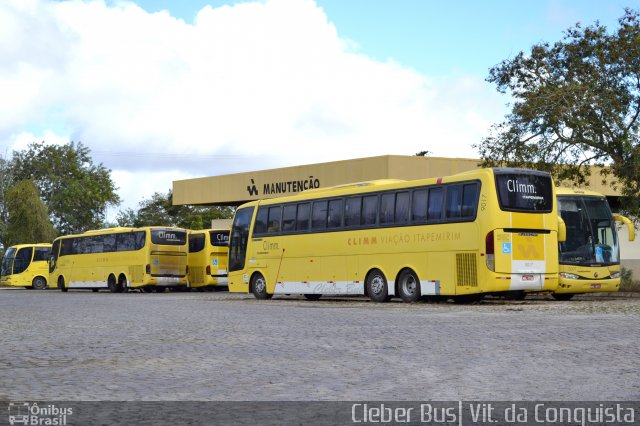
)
(481, 232)
(120, 259)
(208, 253)
(590, 255)
(25, 265)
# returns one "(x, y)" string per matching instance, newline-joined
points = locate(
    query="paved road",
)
(216, 346)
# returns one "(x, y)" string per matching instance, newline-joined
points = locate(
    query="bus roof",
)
(19, 246)
(561, 190)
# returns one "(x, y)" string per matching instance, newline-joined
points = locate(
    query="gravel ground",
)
(226, 347)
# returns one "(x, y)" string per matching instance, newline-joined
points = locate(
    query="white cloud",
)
(244, 87)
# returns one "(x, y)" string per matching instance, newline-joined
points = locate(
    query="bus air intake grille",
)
(466, 270)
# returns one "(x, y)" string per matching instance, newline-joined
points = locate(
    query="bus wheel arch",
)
(39, 283)
(61, 284)
(258, 286)
(408, 285)
(376, 286)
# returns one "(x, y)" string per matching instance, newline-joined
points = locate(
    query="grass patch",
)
(627, 282)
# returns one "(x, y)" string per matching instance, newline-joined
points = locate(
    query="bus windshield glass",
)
(522, 192)
(591, 237)
(7, 261)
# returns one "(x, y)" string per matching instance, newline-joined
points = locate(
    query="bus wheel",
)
(39, 283)
(160, 289)
(259, 287)
(563, 296)
(313, 296)
(409, 286)
(111, 283)
(376, 285)
(122, 284)
(61, 285)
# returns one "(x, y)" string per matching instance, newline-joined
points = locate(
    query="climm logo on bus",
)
(283, 187)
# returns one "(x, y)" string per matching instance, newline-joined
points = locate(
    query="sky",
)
(164, 90)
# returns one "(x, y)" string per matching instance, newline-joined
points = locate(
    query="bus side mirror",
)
(626, 221)
(562, 230)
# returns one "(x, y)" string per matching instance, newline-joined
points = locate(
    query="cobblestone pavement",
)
(219, 346)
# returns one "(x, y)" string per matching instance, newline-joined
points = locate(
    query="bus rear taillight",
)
(489, 248)
(147, 269)
(208, 269)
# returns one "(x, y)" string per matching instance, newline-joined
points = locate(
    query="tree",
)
(576, 103)
(76, 191)
(28, 219)
(160, 211)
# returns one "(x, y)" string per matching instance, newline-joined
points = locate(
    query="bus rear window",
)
(168, 237)
(523, 192)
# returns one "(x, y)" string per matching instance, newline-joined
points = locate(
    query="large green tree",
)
(76, 191)
(28, 219)
(576, 103)
(159, 210)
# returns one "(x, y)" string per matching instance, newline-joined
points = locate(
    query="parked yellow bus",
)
(120, 259)
(208, 253)
(25, 265)
(486, 231)
(590, 256)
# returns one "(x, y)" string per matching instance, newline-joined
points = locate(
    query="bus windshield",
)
(7, 261)
(524, 192)
(591, 236)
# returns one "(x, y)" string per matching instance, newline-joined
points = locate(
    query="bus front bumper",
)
(568, 285)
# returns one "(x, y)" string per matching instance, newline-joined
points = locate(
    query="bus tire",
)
(312, 296)
(377, 287)
(39, 283)
(111, 283)
(160, 289)
(259, 287)
(61, 285)
(563, 296)
(409, 286)
(122, 284)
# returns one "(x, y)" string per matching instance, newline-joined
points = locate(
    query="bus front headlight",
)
(616, 275)
(569, 276)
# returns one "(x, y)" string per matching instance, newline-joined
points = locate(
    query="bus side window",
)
(419, 205)
(275, 217)
(289, 218)
(387, 207)
(302, 217)
(41, 254)
(334, 217)
(260, 227)
(369, 210)
(352, 211)
(22, 260)
(469, 200)
(319, 215)
(454, 201)
(434, 209)
(402, 207)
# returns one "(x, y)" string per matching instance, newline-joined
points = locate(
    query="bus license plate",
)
(595, 285)
(528, 277)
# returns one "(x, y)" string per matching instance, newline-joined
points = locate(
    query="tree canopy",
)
(576, 103)
(76, 191)
(28, 219)
(159, 210)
